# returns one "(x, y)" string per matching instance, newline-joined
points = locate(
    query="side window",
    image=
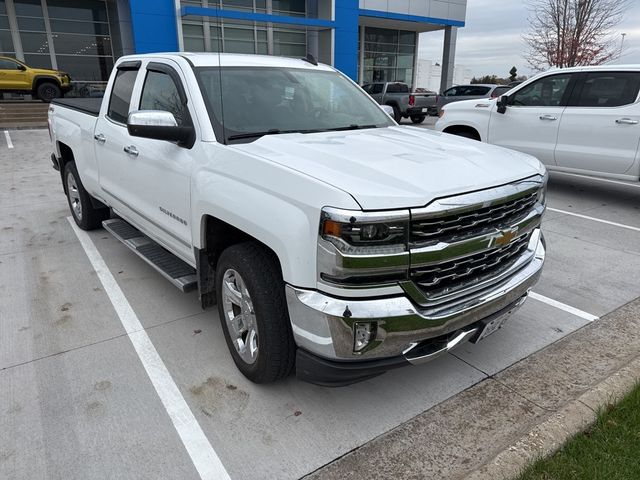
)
(161, 93)
(8, 65)
(118, 110)
(377, 88)
(546, 92)
(397, 88)
(368, 88)
(609, 89)
(477, 91)
(452, 92)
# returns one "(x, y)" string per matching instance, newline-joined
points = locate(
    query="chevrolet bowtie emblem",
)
(504, 237)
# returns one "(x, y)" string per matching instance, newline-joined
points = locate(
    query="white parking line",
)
(597, 179)
(202, 454)
(628, 227)
(563, 306)
(8, 139)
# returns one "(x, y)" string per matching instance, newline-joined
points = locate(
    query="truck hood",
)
(395, 167)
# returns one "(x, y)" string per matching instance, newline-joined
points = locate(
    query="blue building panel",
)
(346, 37)
(154, 26)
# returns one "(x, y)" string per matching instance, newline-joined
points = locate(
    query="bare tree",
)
(569, 33)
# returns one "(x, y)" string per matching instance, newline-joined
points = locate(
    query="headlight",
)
(542, 193)
(365, 231)
(363, 248)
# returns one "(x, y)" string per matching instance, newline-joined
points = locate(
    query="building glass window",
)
(6, 42)
(389, 55)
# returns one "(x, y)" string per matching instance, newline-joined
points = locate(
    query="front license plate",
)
(425, 110)
(492, 327)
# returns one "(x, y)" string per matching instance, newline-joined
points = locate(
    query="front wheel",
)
(253, 312)
(86, 216)
(418, 119)
(47, 91)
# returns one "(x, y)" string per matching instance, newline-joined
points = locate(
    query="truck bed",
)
(90, 106)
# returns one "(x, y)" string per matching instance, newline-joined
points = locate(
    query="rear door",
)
(12, 77)
(375, 90)
(600, 128)
(531, 122)
(110, 139)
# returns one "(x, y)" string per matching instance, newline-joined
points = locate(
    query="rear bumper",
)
(323, 326)
(411, 111)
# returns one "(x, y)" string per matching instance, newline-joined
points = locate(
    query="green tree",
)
(513, 74)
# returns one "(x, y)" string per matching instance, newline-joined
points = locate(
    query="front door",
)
(531, 122)
(13, 76)
(600, 129)
(159, 171)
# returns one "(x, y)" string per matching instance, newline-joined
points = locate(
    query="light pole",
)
(622, 43)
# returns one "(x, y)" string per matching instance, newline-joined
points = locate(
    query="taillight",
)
(412, 100)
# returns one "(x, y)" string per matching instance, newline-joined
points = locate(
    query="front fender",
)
(277, 206)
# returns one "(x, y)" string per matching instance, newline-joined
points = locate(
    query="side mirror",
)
(22, 68)
(388, 109)
(502, 103)
(159, 125)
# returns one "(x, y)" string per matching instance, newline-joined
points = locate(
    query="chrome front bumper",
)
(323, 325)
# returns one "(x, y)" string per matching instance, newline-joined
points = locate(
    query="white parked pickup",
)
(583, 120)
(329, 237)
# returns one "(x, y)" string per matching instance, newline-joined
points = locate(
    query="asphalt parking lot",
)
(77, 402)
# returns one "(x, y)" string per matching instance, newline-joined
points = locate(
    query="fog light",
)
(363, 335)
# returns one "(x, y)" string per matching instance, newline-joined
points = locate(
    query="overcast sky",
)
(491, 42)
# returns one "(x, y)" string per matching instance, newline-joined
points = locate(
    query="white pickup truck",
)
(583, 120)
(329, 237)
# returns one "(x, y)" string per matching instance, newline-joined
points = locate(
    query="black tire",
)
(397, 114)
(418, 119)
(47, 91)
(87, 217)
(261, 275)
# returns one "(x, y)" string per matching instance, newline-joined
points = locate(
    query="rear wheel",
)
(417, 119)
(397, 114)
(47, 91)
(86, 216)
(253, 312)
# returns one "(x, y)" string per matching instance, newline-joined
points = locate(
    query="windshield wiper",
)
(273, 131)
(351, 127)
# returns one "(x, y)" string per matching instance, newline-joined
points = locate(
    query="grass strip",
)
(609, 449)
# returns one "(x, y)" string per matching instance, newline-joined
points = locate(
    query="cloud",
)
(491, 42)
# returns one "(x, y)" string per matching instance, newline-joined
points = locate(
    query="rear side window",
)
(499, 91)
(476, 91)
(609, 89)
(397, 88)
(121, 95)
(161, 93)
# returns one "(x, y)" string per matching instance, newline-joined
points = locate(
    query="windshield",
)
(256, 101)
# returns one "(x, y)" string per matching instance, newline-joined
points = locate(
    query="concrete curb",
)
(549, 436)
(496, 427)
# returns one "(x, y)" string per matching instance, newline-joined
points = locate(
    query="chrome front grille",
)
(463, 244)
(440, 279)
(471, 223)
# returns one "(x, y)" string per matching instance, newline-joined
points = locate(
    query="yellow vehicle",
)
(43, 83)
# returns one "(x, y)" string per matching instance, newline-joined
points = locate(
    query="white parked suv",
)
(327, 235)
(582, 120)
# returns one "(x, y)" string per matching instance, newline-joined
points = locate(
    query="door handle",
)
(626, 121)
(100, 138)
(131, 150)
(551, 118)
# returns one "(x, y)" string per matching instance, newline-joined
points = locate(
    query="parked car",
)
(327, 235)
(405, 104)
(468, 92)
(584, 120)
(45, 84)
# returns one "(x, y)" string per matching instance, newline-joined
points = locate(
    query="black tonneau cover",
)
(90, 106)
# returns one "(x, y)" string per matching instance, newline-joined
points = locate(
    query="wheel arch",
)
(215, 237)
(40, 79)
(457, 129)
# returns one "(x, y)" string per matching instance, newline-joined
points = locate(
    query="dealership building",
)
(369, 40)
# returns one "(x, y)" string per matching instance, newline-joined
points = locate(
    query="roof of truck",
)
(206, 59)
